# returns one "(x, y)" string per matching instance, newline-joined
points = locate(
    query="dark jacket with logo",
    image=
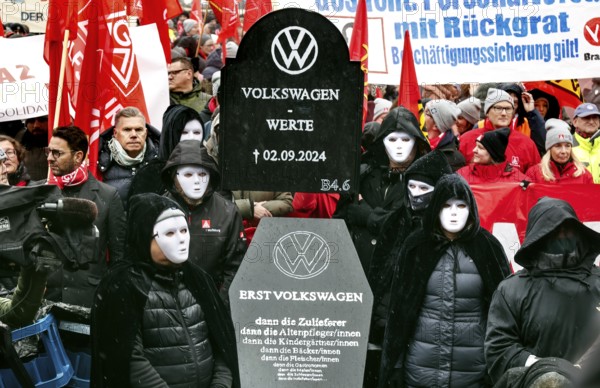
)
(382, 190)
(119, 176)
(217, 242)
(155, 326)
(440, 295)
(550, 308)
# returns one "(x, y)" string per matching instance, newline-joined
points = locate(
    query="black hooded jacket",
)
(218, 242)
(174, 120)
(382, 189)
(120, 312)
(418, 260)
(523, 314)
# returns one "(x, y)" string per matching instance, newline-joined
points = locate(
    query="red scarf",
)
(78, 177)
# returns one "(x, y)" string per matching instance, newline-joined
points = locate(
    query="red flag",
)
(1, 29)
(154, 11)
(173, 9)
(255, 9)
(227, 14)
(409, 95)
(567, 92)
(359, 49)
(196, 12)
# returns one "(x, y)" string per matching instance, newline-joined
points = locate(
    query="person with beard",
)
(550, 307)
(66, 157)
(442, 285)
(34, 138)
(157, 319)
(179, 123)
(15, 165)
(420, 179)
(382, 189)
(218, 241)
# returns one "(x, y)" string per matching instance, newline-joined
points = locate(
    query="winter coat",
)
(132, 298)
(76, 285)
(473, 265)
(279, 203)
(448, 144)
(217, 241)
(195, 98)
(588, 152)
(564, 175)
(548, 309)
(491, 173)
(35, 157)
(119, 176)
(382, 190)
(521, 151)
(314, 205)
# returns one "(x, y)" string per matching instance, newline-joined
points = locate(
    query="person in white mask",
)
(217, 238)
(157, 319)
(442, 285)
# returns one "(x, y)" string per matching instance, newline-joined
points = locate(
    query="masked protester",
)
(218, 242)
(548, 309)
(420, 179)
(446, 274)
(397, 144)
(157, 319)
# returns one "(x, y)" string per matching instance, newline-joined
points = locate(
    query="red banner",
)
(359, 49)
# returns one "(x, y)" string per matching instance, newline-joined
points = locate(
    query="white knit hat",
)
(558, 131)
(444, 113)
(381, 106)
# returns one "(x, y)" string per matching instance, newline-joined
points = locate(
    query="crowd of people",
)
(447, 310)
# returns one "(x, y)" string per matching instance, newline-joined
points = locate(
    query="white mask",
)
(399, 146)
(418, 188)
(173, 238)
(193, 180)
(454, 215)
(192, 131)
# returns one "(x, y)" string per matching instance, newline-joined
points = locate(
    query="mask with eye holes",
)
(172, 235)
(419, 194)
(193, 181)
(399, 146)
(454, 215)
(192, 131)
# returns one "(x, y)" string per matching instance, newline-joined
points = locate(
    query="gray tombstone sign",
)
(301, 306)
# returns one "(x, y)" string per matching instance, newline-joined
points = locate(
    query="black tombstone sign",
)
(301, 306)
(291, 108)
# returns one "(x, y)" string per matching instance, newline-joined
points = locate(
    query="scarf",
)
(75, 178)
(120, 156)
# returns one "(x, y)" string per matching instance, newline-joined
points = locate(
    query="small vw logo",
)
(294, 50)
(301, 255)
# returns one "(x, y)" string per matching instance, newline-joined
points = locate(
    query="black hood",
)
(190, 152)
(429, 169)
(448, 187)
(553, 106)
(398, 119)
(174, 120)
(544, 218)
(144, 209)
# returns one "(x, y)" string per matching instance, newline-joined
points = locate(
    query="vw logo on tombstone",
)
(294, 50)
(301, 254)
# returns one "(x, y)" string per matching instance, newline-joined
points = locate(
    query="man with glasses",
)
(184, 88)
(66, 154)
(587, 125)
(521, 152)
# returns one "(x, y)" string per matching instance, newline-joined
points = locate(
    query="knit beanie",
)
(558, 131)
(188, 24)
(495, 96)
(470, 109)
(382, 106)
(429, 168)
(444, 113)
(232, 49)
(495, 142)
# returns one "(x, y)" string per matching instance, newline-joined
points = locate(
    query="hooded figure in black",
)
(155, 324)
(550, 308)
(175, 119)
(218, 242)
(441, 289)
(382, 185)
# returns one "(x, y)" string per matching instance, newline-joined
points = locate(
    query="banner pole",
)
(61, 78)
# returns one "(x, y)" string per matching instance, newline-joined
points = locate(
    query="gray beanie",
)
(470, 109)
(188, 24)
(558, 131)
(444, 113)
(495, 96)
(381, 106)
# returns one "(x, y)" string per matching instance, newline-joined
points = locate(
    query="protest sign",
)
(32, 13)
(291, 108)
(301, 306)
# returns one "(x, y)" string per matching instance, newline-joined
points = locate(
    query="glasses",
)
(10, 153)
(175, 72)
(500, 109)
(55, 153)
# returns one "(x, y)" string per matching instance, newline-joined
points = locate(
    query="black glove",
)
(358, 214)
(43, 258)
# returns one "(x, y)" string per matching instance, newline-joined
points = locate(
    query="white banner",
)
(24, 75)
(33, 13)
(474, 40)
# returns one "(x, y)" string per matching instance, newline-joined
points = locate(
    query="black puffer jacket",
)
(217, 242)
(439, 299)
(382, 190)
(548, 309)
(119, 176)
